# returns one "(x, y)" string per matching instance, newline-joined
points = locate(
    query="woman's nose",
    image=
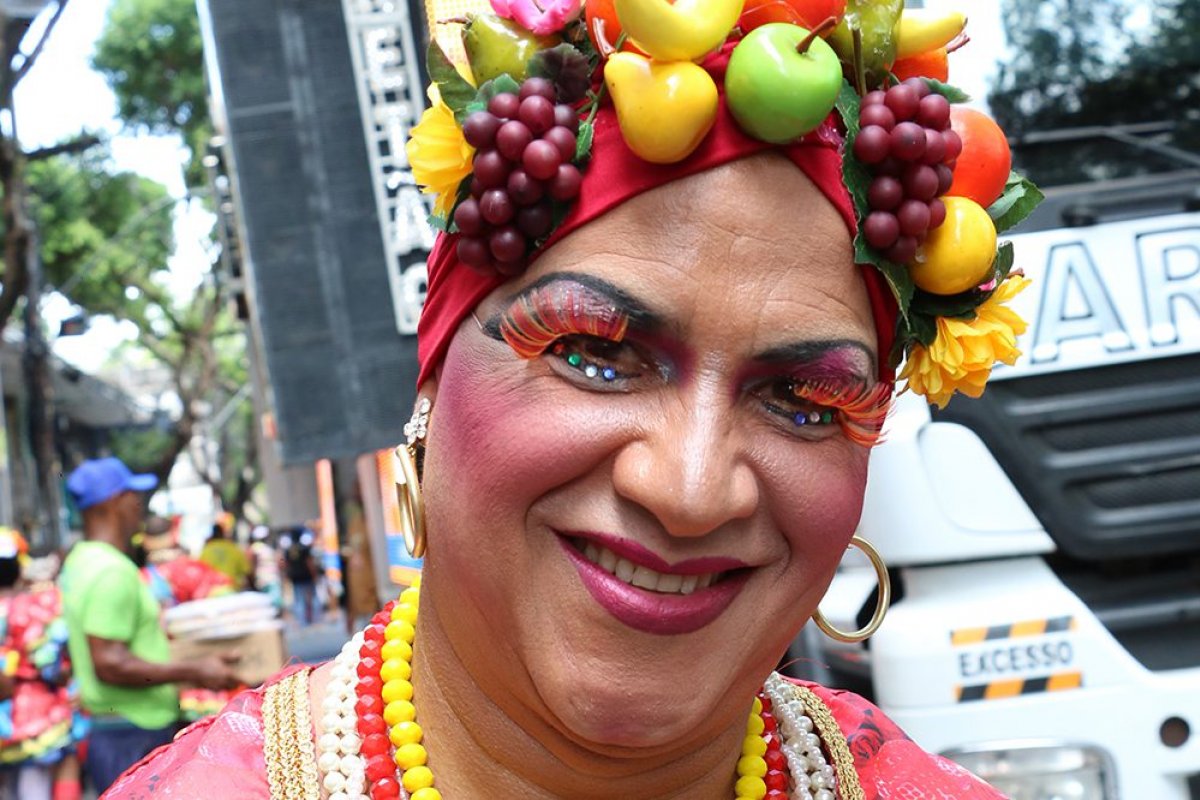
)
(687, 470)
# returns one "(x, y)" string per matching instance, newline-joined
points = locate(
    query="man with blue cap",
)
(119, 652)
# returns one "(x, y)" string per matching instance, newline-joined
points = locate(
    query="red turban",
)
(615, 175)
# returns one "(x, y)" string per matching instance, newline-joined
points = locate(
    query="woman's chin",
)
(630, 708)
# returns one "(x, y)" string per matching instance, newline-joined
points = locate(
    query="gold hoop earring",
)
(408, 480)
(881, 603)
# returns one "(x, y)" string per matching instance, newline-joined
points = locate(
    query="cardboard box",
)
(262, 653)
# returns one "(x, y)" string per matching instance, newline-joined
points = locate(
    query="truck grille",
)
(1107, 458)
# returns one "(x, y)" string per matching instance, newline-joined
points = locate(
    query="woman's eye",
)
(600, 360)
(785, 398)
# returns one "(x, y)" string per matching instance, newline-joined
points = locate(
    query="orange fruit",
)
(604, 13)
(983, 166)
(930, 64)
(958, 254)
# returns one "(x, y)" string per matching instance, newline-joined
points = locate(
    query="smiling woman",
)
(642, 442)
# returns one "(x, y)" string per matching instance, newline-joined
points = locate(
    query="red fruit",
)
(903, 251)
(935, 147)
(541, 87)
(563, 139)
(473, 252)
(507, 245)
(872, 145)
(920, 182)
(983, 166)
(877, 114)
(884, 193)
(934, 112)
(512, 138)
(541, 160)
(469, 222)
(881, 229)
(505, 105)
(537, 113)
(914, 218)
(523, 189)
(903, 101)
(496, 207)
(566, 183)
(908, 139)
(937, 213)
(567, 118)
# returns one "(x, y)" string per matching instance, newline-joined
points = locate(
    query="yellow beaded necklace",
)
(406, 735)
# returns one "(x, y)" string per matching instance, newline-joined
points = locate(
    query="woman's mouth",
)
(663, 599)
(641, 576)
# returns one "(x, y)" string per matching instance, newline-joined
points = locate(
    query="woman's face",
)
(630, 406)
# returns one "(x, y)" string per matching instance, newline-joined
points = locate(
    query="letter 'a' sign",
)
(1122, 291)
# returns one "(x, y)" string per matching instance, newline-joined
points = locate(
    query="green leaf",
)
(583, 142)
(1019, 199)
(504, 84)
(1003, 264)
(961, 305)
(456, 93)
(923, 329)
(568, 68)
(951, 93)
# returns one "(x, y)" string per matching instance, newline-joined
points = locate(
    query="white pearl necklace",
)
(812, 775)
(343, 769)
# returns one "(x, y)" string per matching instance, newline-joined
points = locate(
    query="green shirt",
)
(104, 596)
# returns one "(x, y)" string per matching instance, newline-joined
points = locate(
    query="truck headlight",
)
(1042, 770)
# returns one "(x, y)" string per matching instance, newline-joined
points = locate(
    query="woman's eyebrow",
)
(596, 290)
(836, 355)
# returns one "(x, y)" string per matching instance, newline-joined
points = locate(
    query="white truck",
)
(1044, 541)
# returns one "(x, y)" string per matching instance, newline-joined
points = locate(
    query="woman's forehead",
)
(751, 244)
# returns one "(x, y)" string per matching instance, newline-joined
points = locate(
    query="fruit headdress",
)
(522, 95)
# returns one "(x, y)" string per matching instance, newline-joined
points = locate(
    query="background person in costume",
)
(118, 649)
(640, 444)
(226, 556)
(39, 727)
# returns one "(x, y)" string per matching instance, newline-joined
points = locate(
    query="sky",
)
(61, 96)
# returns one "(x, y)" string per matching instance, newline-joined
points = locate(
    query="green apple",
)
(497, 46)
(777, 92)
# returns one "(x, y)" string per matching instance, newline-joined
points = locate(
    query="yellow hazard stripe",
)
(1015, 687)
(1012, 630)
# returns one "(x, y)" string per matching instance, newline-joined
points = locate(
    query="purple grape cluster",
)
(525, 146)
(906, 141)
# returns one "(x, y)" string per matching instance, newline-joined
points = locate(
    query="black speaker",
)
(321, 273)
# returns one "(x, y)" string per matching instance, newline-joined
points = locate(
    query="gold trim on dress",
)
(848, 786)
(288, 740)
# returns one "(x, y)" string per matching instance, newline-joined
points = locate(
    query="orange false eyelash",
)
(547, 313)
(861, 410)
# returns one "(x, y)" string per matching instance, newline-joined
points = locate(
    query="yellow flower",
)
(439, 155)
(963, 354)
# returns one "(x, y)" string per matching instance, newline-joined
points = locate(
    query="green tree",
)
(152, 56)
(1079, 62)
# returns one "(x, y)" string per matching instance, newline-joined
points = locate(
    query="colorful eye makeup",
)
(812, 385)
(859, 410)
(542, 315)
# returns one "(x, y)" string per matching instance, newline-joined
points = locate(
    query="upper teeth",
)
(643, 577)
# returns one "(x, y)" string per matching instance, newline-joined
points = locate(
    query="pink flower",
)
(541, 18)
